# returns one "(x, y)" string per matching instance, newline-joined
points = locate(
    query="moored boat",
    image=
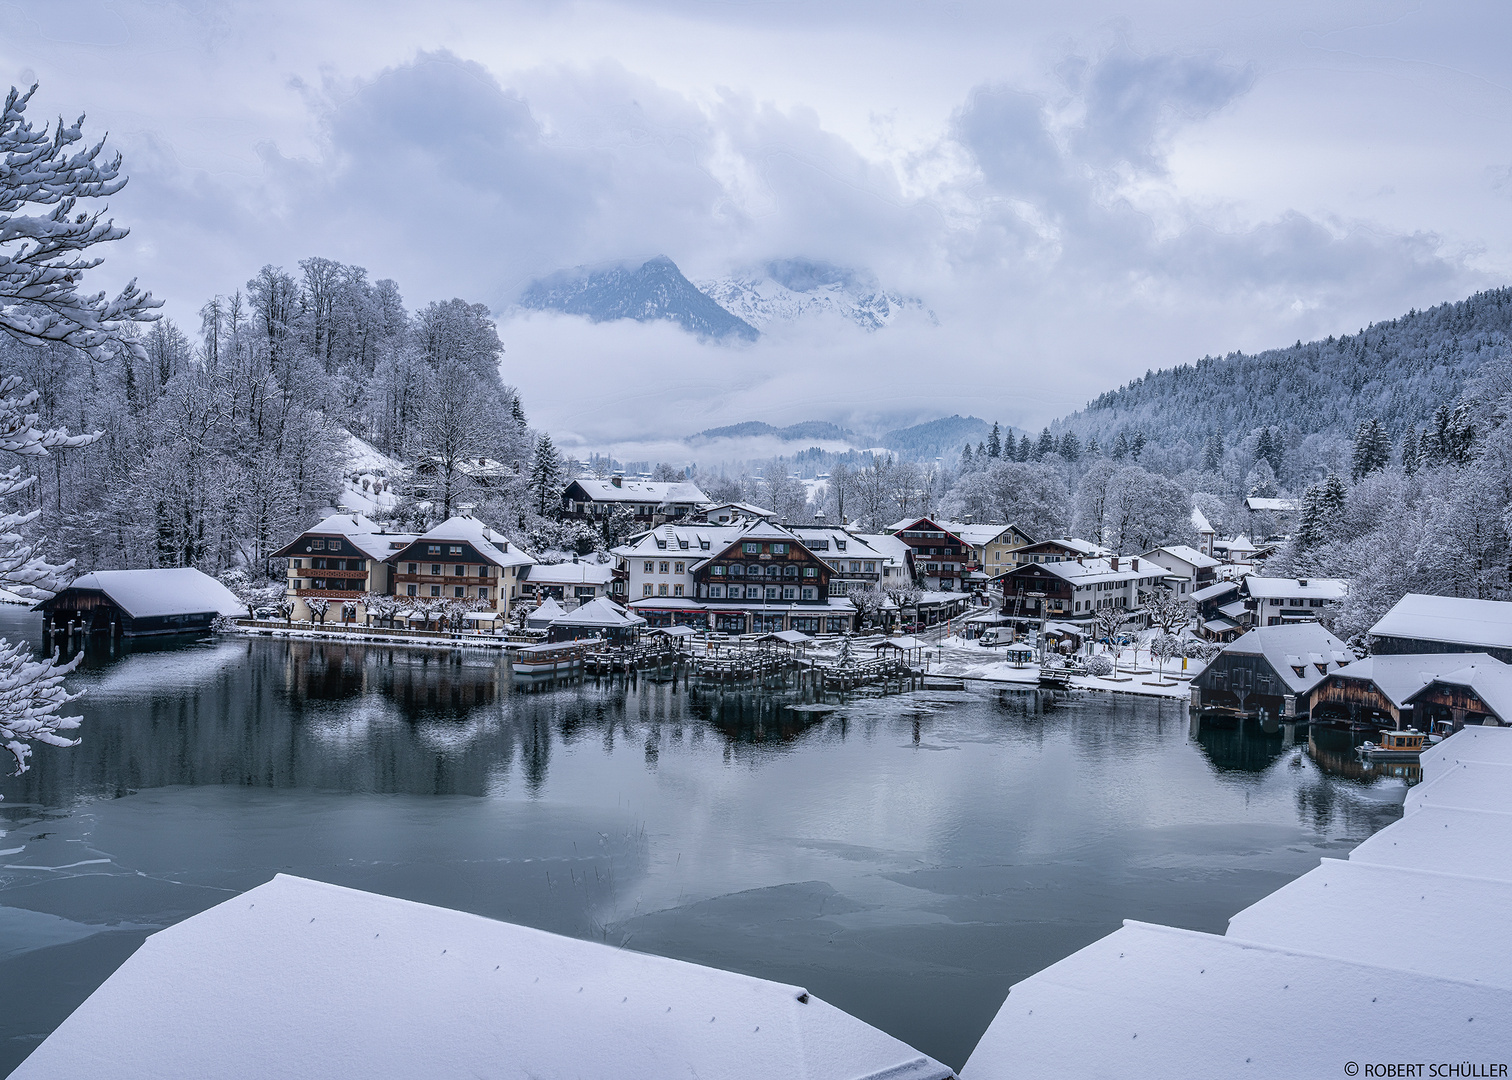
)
(1395, 746)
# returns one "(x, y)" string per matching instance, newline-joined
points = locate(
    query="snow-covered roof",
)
(577, 572)
(1238, 543)
(1147, 1000)
(1280, 588)
(1256, 502)
(599, 612)
(641, 491)
(1293, 645)
(787, 637)
(977, 535)
(1232, 610)
(365, 535)
(905, 643)
(543, 615)
(692, 538)
(147, 594)
(886, 545)
(490, 543)
(301, 978)
(1448, 619)
(1087, 570)
(1212, 592)
(1399, 677)
(744, 509)
(1186, 553)
(1488, 677)
(1074, 545)
(1200, 523)
(830, 605)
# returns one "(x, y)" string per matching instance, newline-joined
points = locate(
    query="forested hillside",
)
(216, 448)
(1398, 372)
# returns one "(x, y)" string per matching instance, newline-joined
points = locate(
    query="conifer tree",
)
(995, 441)
(1045, 445)
(1137, 445)
(1070, 447)
(1120, 447)
(1372, 449)
(546, 479)
(1212, 454)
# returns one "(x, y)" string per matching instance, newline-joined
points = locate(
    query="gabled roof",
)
(1448, 619)
(489, 543)
(1281, 506)
(301, 978)
(601, 612)
(148, 594)
(366, 536)
(1200, 523)
(544, 614)
(1068, 543)
(1400, 676)
(641, 491)
(1280, 588)
(1187, 554)
(1489, 678)
(576, 572)
(887, 545)
(1306, 645)
(745, 509)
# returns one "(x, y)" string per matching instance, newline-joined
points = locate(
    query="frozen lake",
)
(906, 858)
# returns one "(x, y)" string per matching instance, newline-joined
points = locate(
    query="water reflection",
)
(945, 842)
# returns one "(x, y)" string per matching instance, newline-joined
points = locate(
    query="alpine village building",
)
(752, 577)
(649, 502)
(345, 557)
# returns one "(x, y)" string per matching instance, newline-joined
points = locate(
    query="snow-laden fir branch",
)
(31, 693)
(43, 254)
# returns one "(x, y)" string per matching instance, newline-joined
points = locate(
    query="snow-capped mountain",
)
(653, 290)
(789, 289)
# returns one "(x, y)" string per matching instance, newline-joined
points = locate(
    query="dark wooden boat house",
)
(135, 603)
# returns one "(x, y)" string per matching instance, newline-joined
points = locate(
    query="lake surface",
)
(907, 858)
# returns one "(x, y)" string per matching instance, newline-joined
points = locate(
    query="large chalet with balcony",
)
(747, 578)
(340, 560)
(942, 560)
(460, 559)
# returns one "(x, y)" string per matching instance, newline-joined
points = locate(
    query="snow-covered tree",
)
(380, 606)
(995, 441)
(546, 480)
(318, 606)
(1372, 449)
(1167, 610)
(45, 251)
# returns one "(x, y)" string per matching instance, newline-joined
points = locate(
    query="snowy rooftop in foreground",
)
(300, 978)
(1303, 981)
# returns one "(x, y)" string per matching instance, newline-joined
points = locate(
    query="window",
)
(435, 569)
(298, 564)
(810, 593)
(839, 545)
(461, 571)
(664, 567)
(435, 590)
(716, 591)
(661, 590)
(454, 549)
(433, 549)
(483, 593)
(810, 571)
(790, 593)
(772, 592)
(661, 543)
(774, 570)
(317, 564)
(649, 567)
(737, 570)
(682, 544)
(789, 571)
(753, 592)
(414, 568)
(645, 590)
(818, 545)
(855, 568)
(680, 568)
(871, 567)
(459, 591)
(335, 545)
(704, 545)
(485, 570)
(718, 571)
(359, 564)
(677, 590)
(779, 549)
(318, 544)
(752, 549)
(411, 590)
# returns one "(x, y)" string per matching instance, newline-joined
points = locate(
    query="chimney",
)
(617, 481)
(1134, 564)
(968, 519)
(1080, 561)
(1115, 562)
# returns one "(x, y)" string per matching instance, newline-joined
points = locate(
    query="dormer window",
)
(703, 545)
(683, 544)
(1300, 670)
(661, 543)
(839, 545)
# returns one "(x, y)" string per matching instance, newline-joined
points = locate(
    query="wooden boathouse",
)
(137, 603)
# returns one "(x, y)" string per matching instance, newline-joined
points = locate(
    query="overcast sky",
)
(1078, 191)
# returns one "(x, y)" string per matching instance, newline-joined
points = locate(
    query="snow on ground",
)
(365, 486)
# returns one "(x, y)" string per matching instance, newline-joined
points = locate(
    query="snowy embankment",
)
(1137, 673)
(366, 487)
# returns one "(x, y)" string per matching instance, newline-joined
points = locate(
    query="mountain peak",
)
(787, 289)
(654, 290)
